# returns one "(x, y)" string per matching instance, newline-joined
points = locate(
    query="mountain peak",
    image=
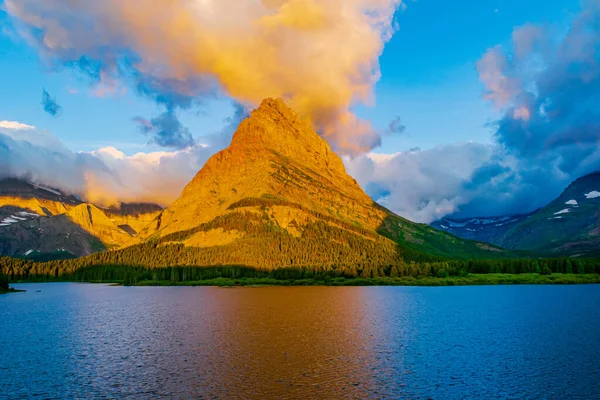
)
(273, 121)
(274, 153)
(277, 106)
(275, 127)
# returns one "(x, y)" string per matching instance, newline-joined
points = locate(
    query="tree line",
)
(3, 281)
(107, 269)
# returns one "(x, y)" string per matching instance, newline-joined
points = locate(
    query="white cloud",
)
(421, 185)
(15, 125)
(103, 176)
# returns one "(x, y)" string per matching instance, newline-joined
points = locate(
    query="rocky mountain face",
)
(133, 217)
(568, 226)
(280, 182)
(38, 199)
(39, 221)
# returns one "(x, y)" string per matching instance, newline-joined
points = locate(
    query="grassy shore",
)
(471, 279)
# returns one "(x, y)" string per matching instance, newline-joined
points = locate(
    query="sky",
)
(464, 108)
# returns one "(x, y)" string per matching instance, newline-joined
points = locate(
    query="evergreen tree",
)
(127, 279)
(546, 270)
(3, 281)
(442, 273)
(569, 267)
(580, 267)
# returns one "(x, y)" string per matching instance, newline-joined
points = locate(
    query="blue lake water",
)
(95, 341)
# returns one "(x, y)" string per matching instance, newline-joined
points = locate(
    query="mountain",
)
(133, 217)
(279, 196)
(40, 222)
(482, 229)
(568, 226)
(38, 199)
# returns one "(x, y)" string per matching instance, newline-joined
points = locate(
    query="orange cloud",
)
(108, 86)
(321, 56)
(522, 113)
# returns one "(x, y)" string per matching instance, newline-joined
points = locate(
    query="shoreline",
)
(468, 280)
(11, 290)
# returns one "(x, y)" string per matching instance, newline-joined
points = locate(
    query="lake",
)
(90, 341)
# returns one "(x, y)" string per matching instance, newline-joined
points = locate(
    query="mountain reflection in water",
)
(79, 340)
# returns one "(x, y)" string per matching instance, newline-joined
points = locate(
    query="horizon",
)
(488, 127)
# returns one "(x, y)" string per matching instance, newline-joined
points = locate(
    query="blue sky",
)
(516, 150)
(428, 79)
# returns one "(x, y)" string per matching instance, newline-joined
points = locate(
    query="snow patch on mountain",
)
(21, 216)
(479, 221)
(571, 202)
(28, 214)
(9, 220)
(565, 211)
(592, 195)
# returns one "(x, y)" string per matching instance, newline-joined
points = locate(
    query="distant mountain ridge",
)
(567, 226)
(483, 229)
(40, 221)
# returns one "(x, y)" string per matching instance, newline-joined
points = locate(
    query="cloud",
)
(15, 125)
(157, 177)
(107, 86)
(546, 85)
(106, 176)
(50, 105)
(166, 130)
(321, 56)
(551, 109)
(421, 185)
(500, 87)
(396, 126)
(38, 155)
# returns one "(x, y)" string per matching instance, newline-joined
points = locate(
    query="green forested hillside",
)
(569, 226)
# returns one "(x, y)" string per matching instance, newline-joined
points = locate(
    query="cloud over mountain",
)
(105, 176)
(321, 56)
(421, 185)
(546, 85)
